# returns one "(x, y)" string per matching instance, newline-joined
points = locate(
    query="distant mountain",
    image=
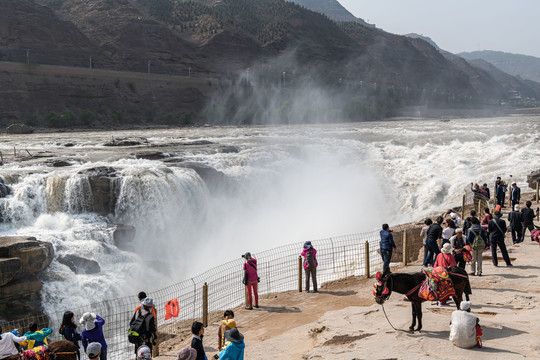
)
(527, 67)
(331, 8)
(425, 38)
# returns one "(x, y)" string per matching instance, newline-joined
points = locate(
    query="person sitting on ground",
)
(310, 265)
(93, 350)
(465, 331)
(36, 337)
(144, 353)
(227, 323)
(497, 235)
(445, 258)
(515, 218)
(528, 220)
(458, 242)
(423, 235)
(93, 332)
(468, 222)
(252, 280)
(477, 238)
(8, 350)
(485, 220)
(197, 329)
(235, 351)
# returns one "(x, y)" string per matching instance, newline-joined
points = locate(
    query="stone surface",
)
(20, 289)
(9, 269)
(126, 142)
(80, 265)
(34, 255)
(4, 188)
(58, 163)
(151, 155)
(123, 236)
(215, 180)
(104, 190)
(533, 178)
(19, 129)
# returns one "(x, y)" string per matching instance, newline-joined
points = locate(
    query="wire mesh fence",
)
(278, 269)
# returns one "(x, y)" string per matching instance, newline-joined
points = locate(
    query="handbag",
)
(244, 280)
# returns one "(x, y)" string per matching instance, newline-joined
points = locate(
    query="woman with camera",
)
(251, 279)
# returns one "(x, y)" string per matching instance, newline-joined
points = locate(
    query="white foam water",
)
(290, 184)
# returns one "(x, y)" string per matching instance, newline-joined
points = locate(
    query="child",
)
(235, 351)
(227, 323)
(37, 337)
(198, 332)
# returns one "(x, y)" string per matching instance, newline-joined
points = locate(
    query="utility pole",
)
(149, 63)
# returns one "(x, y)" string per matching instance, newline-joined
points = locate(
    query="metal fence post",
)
(366, 258)
(405, 247)
(300, 274)
(463, 206)
(205, 304)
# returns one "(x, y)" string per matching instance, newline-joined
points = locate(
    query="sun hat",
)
(234, 335)
(453, 215)
(93, 350)
(447, 248)
(88, 320)
(307, 245)
(187, 353)
(144, 352)
(465, 305)
(147, 301)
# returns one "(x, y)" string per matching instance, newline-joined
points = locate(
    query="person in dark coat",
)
(434, 233)
(500, 191)
(196, 343)
(497, 234)
(515, 194)
(515, 218)
(528, 220)
(486, 189)
(68, 330)
(387, 245)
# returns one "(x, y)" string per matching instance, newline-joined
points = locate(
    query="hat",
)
(147, 301)
(513, 183)
(459, 230)
(453, 215)
(465, 305)
(234, 335)
(307, 245)
(88, 320)
(230, 323)
(187, 353)
(447, 248)
(247, 255)
(144, 352)
(516, 207)
(93, 350)
(497, 214)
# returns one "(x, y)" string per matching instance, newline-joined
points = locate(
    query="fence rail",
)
(338, 257)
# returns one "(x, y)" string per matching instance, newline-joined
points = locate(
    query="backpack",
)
(478, 242)
(310, 259)
(137, 328)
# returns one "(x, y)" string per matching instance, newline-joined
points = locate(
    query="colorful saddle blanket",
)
(437, 285)
(37, 353)
(467, 253)
(535, 234)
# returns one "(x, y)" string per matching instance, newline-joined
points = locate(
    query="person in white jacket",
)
(7, 345)
(463, 326)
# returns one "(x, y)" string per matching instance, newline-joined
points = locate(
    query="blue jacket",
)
(233, 351)
(477, 229)
(387, 240)
(94, 335)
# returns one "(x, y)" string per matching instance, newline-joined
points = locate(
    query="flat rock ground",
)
(344, 322)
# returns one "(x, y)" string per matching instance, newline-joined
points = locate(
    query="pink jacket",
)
(251, 269)
(445, 260)
(304, 253)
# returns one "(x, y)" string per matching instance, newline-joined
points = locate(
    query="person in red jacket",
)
(445, 258)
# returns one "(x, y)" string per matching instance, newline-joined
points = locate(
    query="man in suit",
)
(515, 194)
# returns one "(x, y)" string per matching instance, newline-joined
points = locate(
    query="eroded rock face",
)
(9, 269)
(19, 129)
(103, 182)
(151, 155)
(533, 178)
(80, 265)
(4, 188)
(34, 255)
(123, 236)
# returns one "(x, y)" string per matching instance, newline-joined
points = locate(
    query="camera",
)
(244, 256)
(216, 355)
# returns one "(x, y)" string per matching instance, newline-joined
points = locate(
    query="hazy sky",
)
(459, 25)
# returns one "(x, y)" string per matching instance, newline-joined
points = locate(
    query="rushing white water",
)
(287, 184)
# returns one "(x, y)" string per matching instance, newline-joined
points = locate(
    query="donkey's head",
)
(381, 289)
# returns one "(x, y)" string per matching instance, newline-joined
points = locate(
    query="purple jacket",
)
(94, 335)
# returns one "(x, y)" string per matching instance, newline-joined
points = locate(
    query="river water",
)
(284, 184)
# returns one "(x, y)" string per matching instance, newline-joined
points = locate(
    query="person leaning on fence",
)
(251, 279)
(68, 330)
(197, 329)
(477, 239)
(235, 351)
(36, 337)
(142, 326)
(387, 245)
(227, 323)
(497, 235)
(8, 350)
(93, 332)
(310, 265)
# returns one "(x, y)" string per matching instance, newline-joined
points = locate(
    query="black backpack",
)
(310, 260)
(138, 329)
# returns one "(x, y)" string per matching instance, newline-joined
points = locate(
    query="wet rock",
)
(19, 129)
(123, 236)
(58, 163)
(4, 188)
(20, 289)
(215, 180)
(34, 255)
(80, 265)
(229, 149)
(151, 155)
(199, 142)
(103, 184)
(69, 144)
(9, 268)
(127, 142)
(533, 178)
